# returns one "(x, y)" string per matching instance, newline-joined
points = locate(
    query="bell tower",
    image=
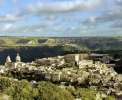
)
(8, 61)
(18, 58)
(77, 59)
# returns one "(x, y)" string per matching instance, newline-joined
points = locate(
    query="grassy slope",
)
(11, 41)
(94, 43)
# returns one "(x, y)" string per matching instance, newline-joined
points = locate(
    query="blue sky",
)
(61, 18)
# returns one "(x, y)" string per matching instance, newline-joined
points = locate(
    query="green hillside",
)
(80, 43)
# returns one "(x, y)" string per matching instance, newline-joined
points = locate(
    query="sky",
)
(61, 18)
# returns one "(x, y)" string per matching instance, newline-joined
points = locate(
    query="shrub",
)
(49, 91)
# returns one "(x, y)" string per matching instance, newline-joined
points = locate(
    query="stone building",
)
(16, 64)
(18, 58)
(85, 63)
(105, 58)
(77, 59)
(8, 62)
(74, 59)
(8, 59)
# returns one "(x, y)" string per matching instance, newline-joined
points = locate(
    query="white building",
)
(84, 63)
(18, 58)
(77, 58)
(8, 59)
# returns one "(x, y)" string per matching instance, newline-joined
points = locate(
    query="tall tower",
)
(8, 59)
(18, 58)
(77, 58)
(8, 62)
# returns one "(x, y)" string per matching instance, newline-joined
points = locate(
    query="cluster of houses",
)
(78, 61)
(69, 69)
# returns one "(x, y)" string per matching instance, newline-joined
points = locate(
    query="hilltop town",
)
(88, 70)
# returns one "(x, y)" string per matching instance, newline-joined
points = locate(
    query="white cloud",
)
(118, 2)
(64, 6)
(108, 16)
(10, 18)
(7, 27)
(54, 22)
(14, 1)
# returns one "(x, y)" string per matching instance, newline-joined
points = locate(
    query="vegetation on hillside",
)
(23, 90)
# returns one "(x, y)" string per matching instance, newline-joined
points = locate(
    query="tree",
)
(49, 91)
(20, 91)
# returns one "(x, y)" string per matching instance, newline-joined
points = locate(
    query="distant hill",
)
(81, 43)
